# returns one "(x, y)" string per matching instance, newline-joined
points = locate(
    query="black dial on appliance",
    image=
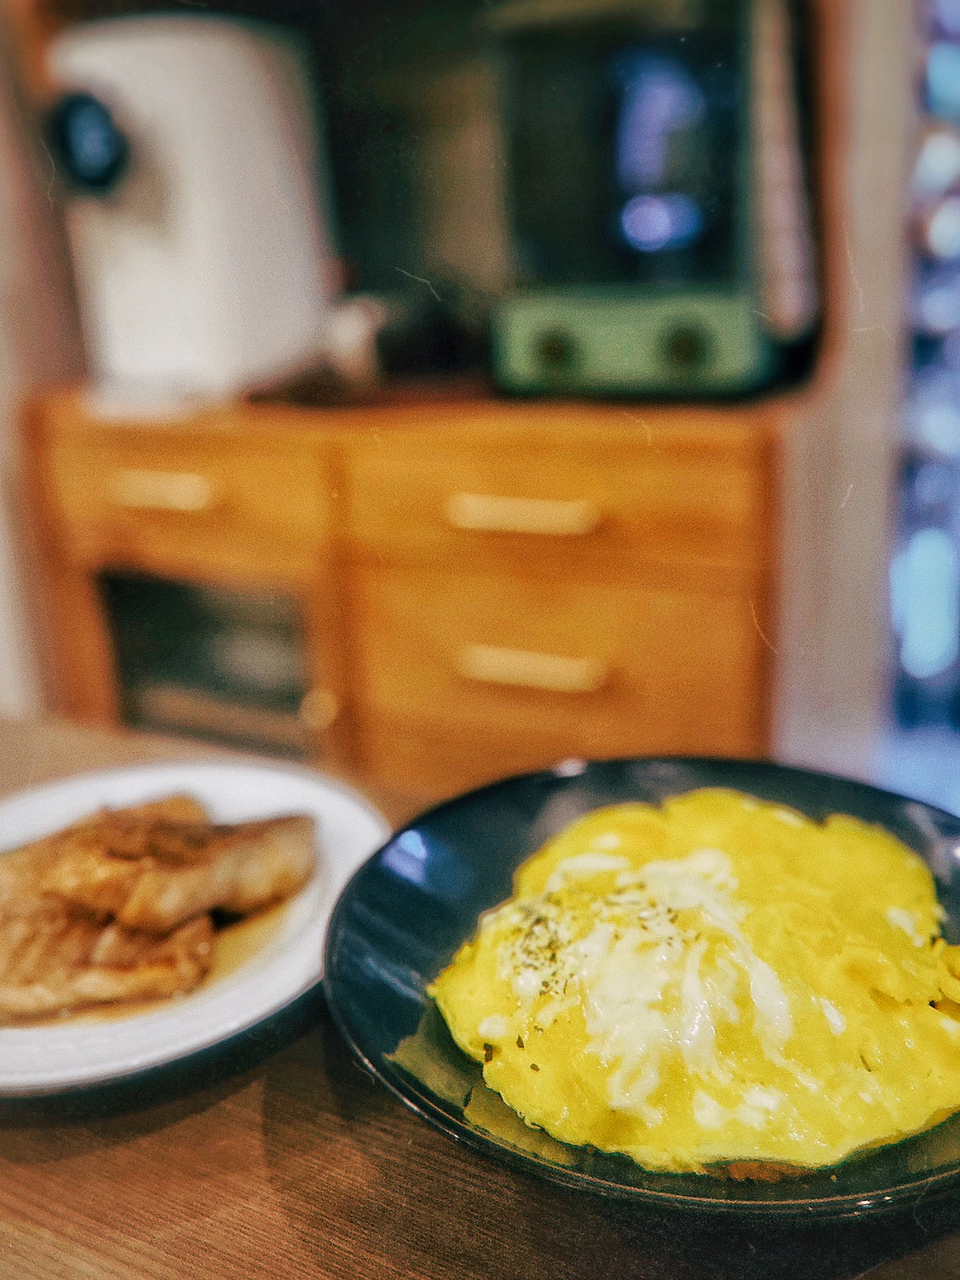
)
(556, 350)
(686, 348)
(88, 144)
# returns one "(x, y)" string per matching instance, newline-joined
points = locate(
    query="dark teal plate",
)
(409, 907)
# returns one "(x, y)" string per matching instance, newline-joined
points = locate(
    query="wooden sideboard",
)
(485, 586)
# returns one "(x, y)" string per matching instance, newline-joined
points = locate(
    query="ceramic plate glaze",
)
(408, 909)
(52, 1056)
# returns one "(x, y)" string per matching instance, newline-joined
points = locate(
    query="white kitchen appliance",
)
(197, 207)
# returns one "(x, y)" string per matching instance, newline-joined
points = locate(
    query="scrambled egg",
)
(716, 981)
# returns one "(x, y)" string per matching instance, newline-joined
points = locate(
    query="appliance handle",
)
(490, 513)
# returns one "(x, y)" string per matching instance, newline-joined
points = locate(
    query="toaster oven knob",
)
(556, 350)
(686, 347)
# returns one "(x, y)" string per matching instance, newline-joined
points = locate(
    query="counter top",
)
(276, 1156)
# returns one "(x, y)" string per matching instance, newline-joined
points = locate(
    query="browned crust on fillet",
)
(156, 876)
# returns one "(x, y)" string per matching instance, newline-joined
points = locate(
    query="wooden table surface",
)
(277, 1156)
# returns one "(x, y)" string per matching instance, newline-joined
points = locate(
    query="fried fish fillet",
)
(117, 906)
(173, 808)
(54, 961)
(153, 876)
(22, 869)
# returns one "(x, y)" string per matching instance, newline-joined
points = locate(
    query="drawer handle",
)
(493, 665)
(138, 490)
(572, 517)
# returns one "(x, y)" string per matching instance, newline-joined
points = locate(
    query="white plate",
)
(56, 1056)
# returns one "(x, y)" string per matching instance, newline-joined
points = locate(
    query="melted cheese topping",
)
(718, 980)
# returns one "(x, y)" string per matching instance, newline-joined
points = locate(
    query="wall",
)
(38, 344)
(833, 643)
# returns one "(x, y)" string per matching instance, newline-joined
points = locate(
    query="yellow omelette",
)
(715, 981)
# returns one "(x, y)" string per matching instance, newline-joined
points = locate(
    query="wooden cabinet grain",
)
(486, 585)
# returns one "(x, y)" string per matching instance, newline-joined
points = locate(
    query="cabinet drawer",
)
(599, 499)
(569, 669)
(433, 760)
(162, 496)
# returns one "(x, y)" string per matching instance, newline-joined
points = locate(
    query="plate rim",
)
(66, 1079)
(417, 1097)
